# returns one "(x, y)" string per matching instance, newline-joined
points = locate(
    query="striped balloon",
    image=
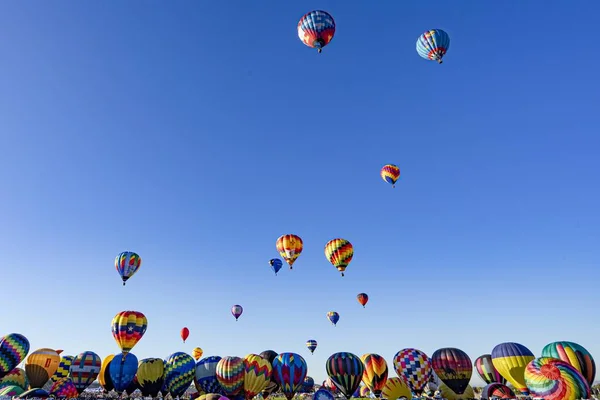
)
(339, 252)
(316, 29)
(433, 45)
(390, 173)
(85, 369)
(16, 377)
(574, 354)
(311, 345)
(376, 372)
(230, 374)
(486, 370)
(289, 247)
(510, 360)
(553, 379)
(257, 375)
(346, 371)
(127, 264)
(454, 367)
(179, 373)
(128, 327)
(63, 368)
(289, 372)
(13, 349)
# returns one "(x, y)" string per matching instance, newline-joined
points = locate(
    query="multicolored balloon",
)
(433, 45)
(498, 390)
(197, 353)
(364, 392)
(289, 247)
(363, 299)
(323, 394)
(311, 345)
(84, 370)
(272, 387)
(316, 29)
(289, 371)
(395, 388)
(510, 360)
(63, 388)
(122, 370)
(104, 374)
(237, 311)
(554, 379)
(257, 375)
(449, 394)
(128, 328)
(16, 377)
(414, 367)
(390, 173)
(14, 347)
(275, 264)
(334, 317)
(63, 368)
(376, 372)
(179, 373)
(11, 391)
(230, 374)
(206, 375)
(454, 367)
(339, 252)
(308, 385)
(486, 370)
(150, 376)
(40, 366)
(574, 354)
(127, 264)
(185, 333)
(346, 371)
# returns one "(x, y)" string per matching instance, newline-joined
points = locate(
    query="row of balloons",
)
(317, 28)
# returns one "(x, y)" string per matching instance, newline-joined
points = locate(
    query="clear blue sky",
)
(195, 133)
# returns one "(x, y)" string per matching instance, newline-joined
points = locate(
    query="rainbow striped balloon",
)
(339, 252)
(13, 349)
(553, 379)
(390, 173)
(257, 375)
(230, 374)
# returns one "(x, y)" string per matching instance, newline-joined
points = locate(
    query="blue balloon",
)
(122, 371)
(206, 375)
(433, 44)
(323, 394)
(275, 264)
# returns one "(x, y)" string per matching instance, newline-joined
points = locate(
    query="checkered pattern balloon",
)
(414, 367)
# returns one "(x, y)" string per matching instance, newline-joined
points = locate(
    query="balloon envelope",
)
(179, 373)
(289, 371)
(574, 354)
(510, 359)
(85, 369)
(486, 370)
(454, 367)
(14, 348)
(414, 367)
(150, 376)
(346, 371)
(206, 375)
(40, 366)
(122, 370)
(230, 374)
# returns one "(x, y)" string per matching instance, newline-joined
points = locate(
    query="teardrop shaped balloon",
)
(257, 375)
(14, 347)
(185, 333)
(553, 379)
(40, 366)
(333, 317)
(84, 370)
(122, 370)
(275, 264)
(316, 29)
(346, 371)
(575, 355)
(414, 367)
(486, 370)
(128, 328)
(197, 353)
(206, 375)
(150, 376)
(454, 367)
(390, 173)
(237, 311)
(311, 345)
(510, 360)
(179, 373)
(363, 299)
(230, 374)
(339, 252)
(376, 372)
(127, 264)
(289, 247)
(433, 45)
(289, 371)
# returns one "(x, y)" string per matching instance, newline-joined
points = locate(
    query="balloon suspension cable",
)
(319, 50)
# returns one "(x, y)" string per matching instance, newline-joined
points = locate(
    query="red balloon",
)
(185, 332)
(362, 298)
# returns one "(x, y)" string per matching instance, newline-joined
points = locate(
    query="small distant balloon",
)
(197, 353)
(316, 29)
(339, 252)
(236, 311)
(311, 345)
(390, 173)
(334, 317)
(275, 264)
(127, 264)
(363, 299)
(433, 45)
(289, 247)
(185, 333)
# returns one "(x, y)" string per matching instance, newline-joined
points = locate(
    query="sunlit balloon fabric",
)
(316, 29)
(449, 394)
(311, 345)
(104, 374)
(127, 263)
(339, 252)
(63, 388)
(11, 391)
(63, 368)
(14, 348)
(40, 366)
(333, 317)
(433, 44)
(414, 367)
(574, 354)
(237, 311)
(180, 369)
(363, 299)
(16, 377)
(185, 333)
(289, 247)
(275, 264)
(257, 375)
(197, 353)
(390, 173)
(376, 372)
(486, 370)
(270, 356)
(454, 367)
(128, 327)
(553, 379)
(346, 371)
(206, 375)
(395, 388)
(289, 372)
(230, 374)
(510, 359)
(122, 370)
(85, 369)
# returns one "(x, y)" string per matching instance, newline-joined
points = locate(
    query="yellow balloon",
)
(395, 388)
(150, 375)
(449, 394)
(40, 366)
(197, 353)
(257, 375)
(102, 374)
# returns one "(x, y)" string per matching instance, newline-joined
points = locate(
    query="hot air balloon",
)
(323, 394)
(104, 374)
(390, 173)
(237, 311)
(40, 366)
(454, 367)
(150, 376)
(498, 390)
(346, 371)
(364, 392)
(376, 373)
(312, 345)
(16, 377)
(363, 299)
(510, 360)
(257, 375)
(84, 370)
(63, 368)
(414, 367)
(448, 394)
(63, 388)
(334, 317)
(395, 388)
(272, 387)
(329, 385)
(13, 349)
(275, 264)
(11, 391)
(433, 45)
(35, 393)
(197, 353)
(487, 372)
(339, 252)
(308, 385)
(180, 369)
(127, 263)
(316, 29)
(128, 327)
(230, 374)
(289, 371)
(554, 379)
(206, 375)
(574, 354)
(289, 248)
(122, 371)
(185, 332)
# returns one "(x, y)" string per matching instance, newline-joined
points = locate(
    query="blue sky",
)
(196, 133)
